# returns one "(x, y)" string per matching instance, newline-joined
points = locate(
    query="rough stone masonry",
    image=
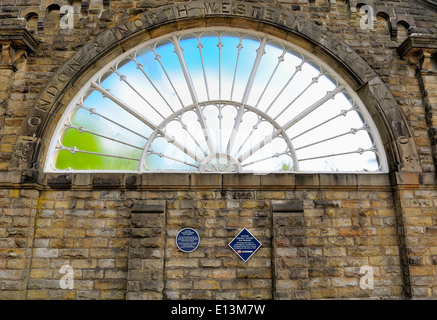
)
(117, 231)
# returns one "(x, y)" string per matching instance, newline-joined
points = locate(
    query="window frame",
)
(363, 110)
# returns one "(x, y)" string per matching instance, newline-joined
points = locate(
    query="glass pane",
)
(266, 69)
(81, 161)
(150, 102)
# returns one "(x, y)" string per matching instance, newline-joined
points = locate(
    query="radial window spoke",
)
(216, 100)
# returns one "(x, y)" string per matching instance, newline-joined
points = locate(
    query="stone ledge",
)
(406, 178)
(417, 42)
(165, 180)
(187, 181)
(241, 181)
(20, 36)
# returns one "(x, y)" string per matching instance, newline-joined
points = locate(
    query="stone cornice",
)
(417, 41)
(15, 45)
(195, 181)
(21, 38)
(419, 50)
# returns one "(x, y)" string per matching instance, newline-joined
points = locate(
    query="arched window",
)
(216, 100)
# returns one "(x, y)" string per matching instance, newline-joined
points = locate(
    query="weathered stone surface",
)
(317, 230)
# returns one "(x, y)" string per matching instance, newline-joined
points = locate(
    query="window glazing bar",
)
(276, 133)
(124, 79)
(81, 129)
(313, 107)
(239, 117)
(239, 47)
(266, 158)
(360, 151)
(352, 131)
(93, 111)
(315, 80)
(140, 67)
(158, 58)
(194, 97)
(280, 59)
(342, 113)
(75, 149)
(296, 71)
(150, 124)
(161, 155)
(205, 80)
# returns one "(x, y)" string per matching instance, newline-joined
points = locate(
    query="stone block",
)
(205, 181)
(60, 180)
(166, 180)
(307, 180)
(101, 180)
(345, 180)
(233, 181)
(46, 253)
(287, 206)
(278, 181)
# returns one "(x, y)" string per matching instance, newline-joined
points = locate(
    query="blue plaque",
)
(187, 240)
(245, 244)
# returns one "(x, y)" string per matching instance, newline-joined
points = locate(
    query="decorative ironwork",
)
(216, 100)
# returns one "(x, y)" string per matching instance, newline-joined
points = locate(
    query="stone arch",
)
(52, 15)
(54, 98)
(31, 20)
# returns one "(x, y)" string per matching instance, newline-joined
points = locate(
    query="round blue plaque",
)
(187, 240)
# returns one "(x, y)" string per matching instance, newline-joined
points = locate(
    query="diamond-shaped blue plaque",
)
(245, 244)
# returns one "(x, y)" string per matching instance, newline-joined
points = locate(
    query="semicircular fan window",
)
(221, 100)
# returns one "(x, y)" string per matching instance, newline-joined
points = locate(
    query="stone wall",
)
(118, 231)
(121, 244)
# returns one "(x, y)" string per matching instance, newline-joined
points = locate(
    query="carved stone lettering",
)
(282, 19)
(45, 102)
(210, 7)
(52, 91)
(121, 30)
(256, 11)
(269, 14)
(168, 12)
(34, 121)
(182, 11)
(296, 24)
(152, 18)
(62, 77)
(73, 66)
(226, 7)
(240, 9)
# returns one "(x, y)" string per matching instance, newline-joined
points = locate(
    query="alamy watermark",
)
(367, 281)
(368, 18)
(67, 20)
(67, 281)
